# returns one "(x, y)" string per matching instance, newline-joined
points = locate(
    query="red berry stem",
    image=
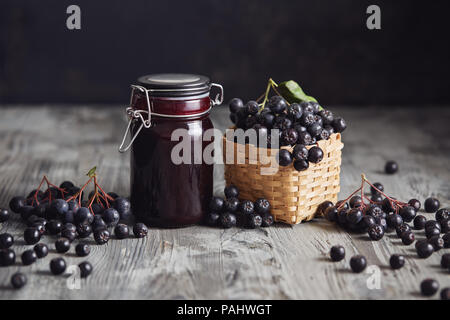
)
(79, 193)
(344, 201)
(396, 204)
(49, 184)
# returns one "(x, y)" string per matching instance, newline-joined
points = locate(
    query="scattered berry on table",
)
(216, 204)
(121, 231)
(123, 206)
(69, 226)
(18, 280)
(97, 208)
(231, 205)
(101, 236)
(262, 206)
(140, 230)
(419, 222)
(431, 205)
(228, 220)
(85, 269)
(337, 253)
(424, 249)
(367, 222)
(82, 249)
(376, 232)
(442, 215)
(432, 231)
(437, 242)
(267, 220)
(4, 214)
(429, 287)
(446, 238)
(445, 294)
(58, 208)
(29, 257)
(331, 214)
(323, 206)
(394, 220)
(445, 261)
(54, 227)
(254, 221)
(84, 230)
(354, 216)
(16, 203)
(432, 224)
(415, 204)
(231, 191)
(355, 202)
(31, 235)
(246, 207)
(83, 215)
(391, 167)
(98, 223)
(57, 266)
(407, 237)
(62, 245)
(7, 257)
(25, 212)
(212, 219)
(6, 240)
(379, 187)
(404, 227)
(445, 226)
(111, 217)
(41, 250)
(66, 185)
(397, 261)
(69, 234)
(408, 213)
(358, 263)
(113, 195)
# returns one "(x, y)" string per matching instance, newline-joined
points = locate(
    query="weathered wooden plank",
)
(199, 262)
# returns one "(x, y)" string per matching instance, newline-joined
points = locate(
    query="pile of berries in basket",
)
(299, 124)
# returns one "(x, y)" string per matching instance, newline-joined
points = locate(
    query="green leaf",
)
(91, 172)
(292, 92)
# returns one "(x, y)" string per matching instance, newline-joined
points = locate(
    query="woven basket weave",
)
(294, 196)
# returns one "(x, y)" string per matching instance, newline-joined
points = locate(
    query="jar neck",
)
(175, 106)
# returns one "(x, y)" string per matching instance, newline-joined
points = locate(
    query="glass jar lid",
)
(175, 84)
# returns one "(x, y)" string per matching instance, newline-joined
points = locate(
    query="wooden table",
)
(281, 262)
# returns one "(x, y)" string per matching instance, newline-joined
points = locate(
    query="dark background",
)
(324, 45)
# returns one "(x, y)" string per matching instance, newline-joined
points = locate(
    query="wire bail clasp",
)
(134, 115)
(218, 100)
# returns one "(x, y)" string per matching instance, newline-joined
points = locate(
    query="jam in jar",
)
(164, 192)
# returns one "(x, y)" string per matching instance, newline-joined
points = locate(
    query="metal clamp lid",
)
(134, 115)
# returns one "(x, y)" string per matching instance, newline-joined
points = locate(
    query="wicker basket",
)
(294, 196)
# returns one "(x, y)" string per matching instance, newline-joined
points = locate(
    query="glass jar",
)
(166, 193)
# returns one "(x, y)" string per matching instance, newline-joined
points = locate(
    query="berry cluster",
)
(230, 211)
(380, 214)
(299, 125)
(63, 213)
